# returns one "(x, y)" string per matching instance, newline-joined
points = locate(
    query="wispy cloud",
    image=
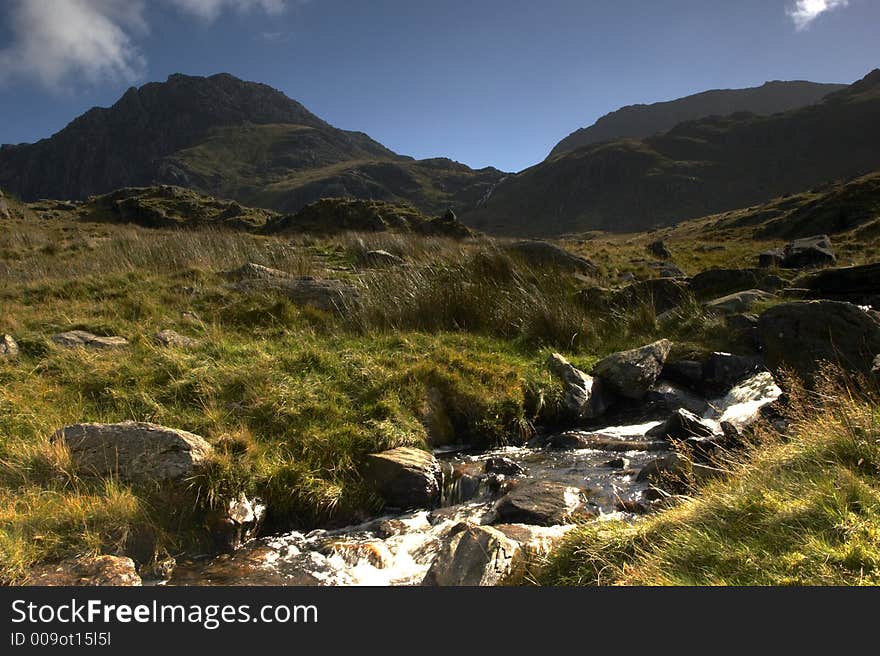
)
(804, 12)
(60, 44)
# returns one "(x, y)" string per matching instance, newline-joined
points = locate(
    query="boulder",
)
(801, 253)
(721, 371)
(543, 503)
(326, 295)
(135, 452)
(667, 270)
(743, 329)
(8, 346)
(585, 396)
(83, 339)
(172, 339)
(473, 556)
(671, 396)
(405, 477)
(856, 284)
(92, 571)
(714, 283)
(542, 253)
(632, 373)
(739, 301)
(4, 208)
(682, 425)
(875, 370)
(684, 372)
(802, 334)
(503, 466)
(617, 463)
(659, 249)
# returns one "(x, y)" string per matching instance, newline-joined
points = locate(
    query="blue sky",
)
(485, 82)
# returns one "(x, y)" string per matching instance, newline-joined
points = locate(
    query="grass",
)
(801, 510)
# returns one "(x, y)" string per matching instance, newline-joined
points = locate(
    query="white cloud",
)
(52, 41)
(60, 43)
(804, 12)
(211, 9)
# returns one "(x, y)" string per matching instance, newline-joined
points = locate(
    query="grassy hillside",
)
(697, 168)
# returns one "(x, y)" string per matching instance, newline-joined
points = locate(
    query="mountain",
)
(697, 168)
(640, 121)
(229, 138)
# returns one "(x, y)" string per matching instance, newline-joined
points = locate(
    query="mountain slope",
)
(640, 121)
(226, 137)
(695, 169)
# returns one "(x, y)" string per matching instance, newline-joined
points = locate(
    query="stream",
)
(398, 549)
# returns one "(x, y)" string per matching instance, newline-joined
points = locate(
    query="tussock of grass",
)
(801, 511)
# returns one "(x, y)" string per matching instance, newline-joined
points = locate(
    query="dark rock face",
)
(503, 466)
(585, 396)
(543, 503)
(632, 373)
(673, 397)
(714, 283)
(858, 284)
(802, 253)
(135, 452)
(802, 334)
(405, 477)
(682, 425)
(94, 571)
(721, 371)
(542, 253)
(684, 372)
(743, 329)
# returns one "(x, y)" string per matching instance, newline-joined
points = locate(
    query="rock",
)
(240, 521)
(714, 283)
(473, 556)
(542, 253)
(83, 339)
(585, 396)
(682, 425)
(663, 294)
(875, 370)
(8, 346)
(135, 452)
(813, 251)
(721, 371)
(382, 259)
(544, 503)
(808, 252)
(659, 249)
(746, 401)
(739, 301)
(667, 270)
(169, 339)
(4, 210)
(326, 295)
(503, 466)
(743, 329)
(405, 477)
(632, 373)
(857, 284)
(802, 334)
(671, 466)
(617, 463)
(684, 372)
(633, 506)
(93, 571)
(775, 257)
(569, 441)
(672, 397)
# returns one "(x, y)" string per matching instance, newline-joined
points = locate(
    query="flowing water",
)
(398, 549)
